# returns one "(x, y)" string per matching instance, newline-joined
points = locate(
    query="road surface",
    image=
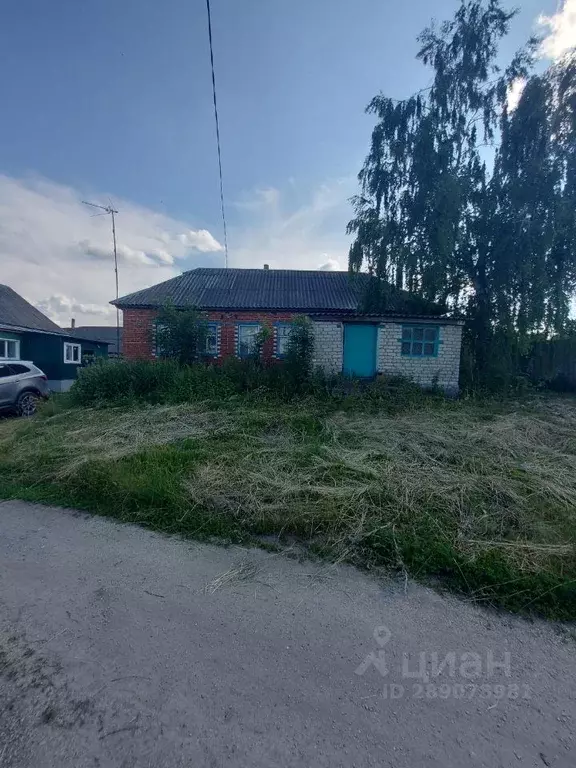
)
(121, 648)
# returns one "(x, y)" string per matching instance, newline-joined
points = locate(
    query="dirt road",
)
(120, 648)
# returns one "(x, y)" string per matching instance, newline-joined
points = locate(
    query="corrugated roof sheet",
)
(16, 311)
(234, 289)
(103, 333)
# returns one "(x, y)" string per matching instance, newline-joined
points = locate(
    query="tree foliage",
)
(466, 202)
(300, 352)
(181, 334)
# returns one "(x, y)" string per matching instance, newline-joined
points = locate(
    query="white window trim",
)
(254, 325)
(73, 362)
(285, 337)
(216, 352)
(15, 341)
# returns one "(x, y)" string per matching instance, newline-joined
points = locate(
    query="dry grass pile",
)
(485, 496)
(506, 484)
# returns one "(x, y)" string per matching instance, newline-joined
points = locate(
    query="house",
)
(401, 341)
(27, 334)
(105, 333)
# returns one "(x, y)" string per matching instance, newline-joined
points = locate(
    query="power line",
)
(217, 133)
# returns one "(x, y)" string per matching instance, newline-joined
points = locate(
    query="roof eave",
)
(300, 310)
(389, 316)
(25, 329)
(317, 313)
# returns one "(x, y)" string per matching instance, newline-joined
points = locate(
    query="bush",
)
(116, 380)
(299, 355)
(181, 334)
(165, 381)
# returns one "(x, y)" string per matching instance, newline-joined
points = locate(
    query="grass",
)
(481, 498)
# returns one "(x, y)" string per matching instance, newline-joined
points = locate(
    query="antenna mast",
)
(108, 209)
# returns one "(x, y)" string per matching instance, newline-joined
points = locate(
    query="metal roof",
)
(18, 313)
(103, 333)
(236, 289)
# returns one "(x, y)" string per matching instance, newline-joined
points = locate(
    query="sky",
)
(111, 101)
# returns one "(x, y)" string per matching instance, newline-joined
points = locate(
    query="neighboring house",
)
(105, 333)
(27, 334)
(425, 347)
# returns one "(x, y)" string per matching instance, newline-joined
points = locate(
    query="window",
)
(283, 331)
(247, 339)
(19, 369)
(9, 349)
(158, 350)
(212, 340)
(420, 341)
(5, 371)
(72, 353)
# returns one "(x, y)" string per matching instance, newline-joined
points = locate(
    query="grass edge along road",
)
(481, 497)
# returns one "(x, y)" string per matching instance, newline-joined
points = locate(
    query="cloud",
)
(57, 305)
(124, 254)
(200, 239)
(561, 31)
(59, 257)
(310, 236)
(259, 199)
(330, 266)
(515, 93)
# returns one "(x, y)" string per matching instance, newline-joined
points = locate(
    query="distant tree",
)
(465, 202)
(181, 334)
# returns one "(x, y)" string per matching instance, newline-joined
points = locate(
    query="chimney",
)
(266, 266)
(73, 323)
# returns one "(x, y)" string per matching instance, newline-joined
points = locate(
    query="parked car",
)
(22, 385)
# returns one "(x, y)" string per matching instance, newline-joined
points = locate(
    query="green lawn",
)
(481, 498)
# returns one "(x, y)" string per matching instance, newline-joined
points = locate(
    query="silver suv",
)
(22, 384)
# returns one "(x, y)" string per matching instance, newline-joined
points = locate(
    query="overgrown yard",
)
(483, 496)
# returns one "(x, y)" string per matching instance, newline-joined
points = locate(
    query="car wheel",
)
(27, 404)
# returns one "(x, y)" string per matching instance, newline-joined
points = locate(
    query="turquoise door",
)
(360, 349)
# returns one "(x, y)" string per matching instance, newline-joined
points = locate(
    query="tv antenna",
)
(109, 210)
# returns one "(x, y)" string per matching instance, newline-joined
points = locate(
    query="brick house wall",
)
(329, 346)
(137, 333)
(138, 338)
(443, 369)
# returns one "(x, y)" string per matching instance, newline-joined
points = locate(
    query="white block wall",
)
(443, 369)
(329, 346)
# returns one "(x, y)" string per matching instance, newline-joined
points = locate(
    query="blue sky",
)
(114, 98)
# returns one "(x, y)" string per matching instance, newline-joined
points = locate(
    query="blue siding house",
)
(27, 334)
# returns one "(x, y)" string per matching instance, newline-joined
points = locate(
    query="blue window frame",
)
(283, 331)
(212, 340)
(158, 351)
(420, 340)
(246, 338)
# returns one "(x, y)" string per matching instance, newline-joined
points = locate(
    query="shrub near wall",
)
(149, 381)
(117, 382)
